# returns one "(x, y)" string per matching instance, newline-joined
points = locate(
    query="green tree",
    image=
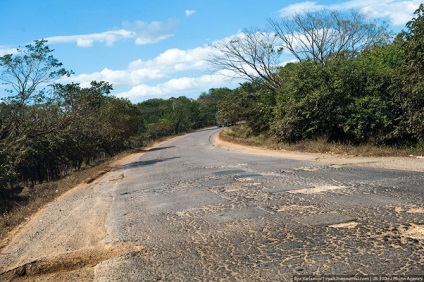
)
(346, 99)
(209, 105)
(252, 103)
(408, 84)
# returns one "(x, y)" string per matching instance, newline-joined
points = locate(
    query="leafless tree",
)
(319, 35)
(251, 54)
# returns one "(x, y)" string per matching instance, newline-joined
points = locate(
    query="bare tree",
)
(319, 35)
(251, 55)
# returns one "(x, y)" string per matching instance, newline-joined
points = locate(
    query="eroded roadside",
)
(63, 241)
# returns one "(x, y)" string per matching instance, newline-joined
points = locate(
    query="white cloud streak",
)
(398, 11)
(6, 51)
(189, 12)
(141, 32)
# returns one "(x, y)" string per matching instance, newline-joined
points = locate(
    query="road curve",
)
(189, 211)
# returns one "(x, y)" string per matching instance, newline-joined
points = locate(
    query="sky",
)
(156, 48)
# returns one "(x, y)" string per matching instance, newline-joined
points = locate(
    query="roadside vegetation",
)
(352, 85)
(241, 134)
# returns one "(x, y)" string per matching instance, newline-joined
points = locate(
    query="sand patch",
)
(416, 210)
(294, 208)
(415, 231)
(349, 225)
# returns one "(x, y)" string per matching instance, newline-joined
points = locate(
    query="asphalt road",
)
(206, 213)
(189, 211)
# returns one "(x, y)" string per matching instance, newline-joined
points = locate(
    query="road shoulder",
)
(398, 163)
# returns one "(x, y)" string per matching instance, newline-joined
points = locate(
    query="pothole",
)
(316, 190)
(65, 262)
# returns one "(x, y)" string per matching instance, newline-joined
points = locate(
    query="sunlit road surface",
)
(204, 213)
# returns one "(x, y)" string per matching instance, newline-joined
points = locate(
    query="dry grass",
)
(241, 135)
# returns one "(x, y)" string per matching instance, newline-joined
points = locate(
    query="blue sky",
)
(156, 48)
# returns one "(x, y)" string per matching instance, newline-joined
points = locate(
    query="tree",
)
(26, 74)
(251, 103)
(209, 105)
(408, 84)
(317, 36)
(251, 54)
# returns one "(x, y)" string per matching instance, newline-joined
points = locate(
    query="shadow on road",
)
(160, 148)
(143, 163)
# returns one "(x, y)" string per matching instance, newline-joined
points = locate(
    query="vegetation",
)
(351, 84)
(48, 129)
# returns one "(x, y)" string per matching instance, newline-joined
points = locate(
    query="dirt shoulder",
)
(399, 163)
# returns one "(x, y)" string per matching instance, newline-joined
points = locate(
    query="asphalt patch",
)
(235, 214)
(326, 219)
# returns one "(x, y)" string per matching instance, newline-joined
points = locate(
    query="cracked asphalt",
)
(206, 213)
(197, 212)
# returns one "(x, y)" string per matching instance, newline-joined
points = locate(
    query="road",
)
(189, 211)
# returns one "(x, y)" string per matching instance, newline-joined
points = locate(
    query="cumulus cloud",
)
(166, 64)
(141, 32)
(398, 11)
(189, 12)
(175, 87)
(173, 60)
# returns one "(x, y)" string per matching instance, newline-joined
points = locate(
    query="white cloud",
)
(6, 51)
(398, 11)
(189, 12)
(176, 87)
(87, 40)
(147, 33)
(139, 31)
(174, 60)
(116, 77)
(306, 6)
(166, 64)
